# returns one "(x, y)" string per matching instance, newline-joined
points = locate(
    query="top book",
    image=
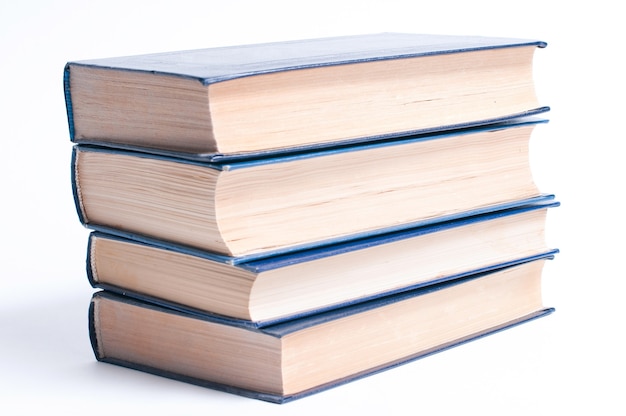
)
(277, 97)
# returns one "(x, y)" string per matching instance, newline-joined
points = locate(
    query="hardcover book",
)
(297, 358)
(303, 94)
(265, 206)
(267, 291)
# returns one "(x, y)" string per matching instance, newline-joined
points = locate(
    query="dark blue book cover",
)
(216, 67)
(213, 65)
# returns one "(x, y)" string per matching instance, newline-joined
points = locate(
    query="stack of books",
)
(276, 219)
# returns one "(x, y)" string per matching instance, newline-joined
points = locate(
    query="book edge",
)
(230, 161)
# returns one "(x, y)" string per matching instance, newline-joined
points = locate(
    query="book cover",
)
(218, 65)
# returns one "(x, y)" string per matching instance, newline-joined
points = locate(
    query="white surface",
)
(562, 364)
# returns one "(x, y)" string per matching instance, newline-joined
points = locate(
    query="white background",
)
(570, 362)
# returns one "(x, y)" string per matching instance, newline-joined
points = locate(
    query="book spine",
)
(68, 101)
(93, 338)
(89, 260)
(75, 188)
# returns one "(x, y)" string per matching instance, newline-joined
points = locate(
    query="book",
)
(300, 357)
(271, 290)
(257, 98)
(260, 207)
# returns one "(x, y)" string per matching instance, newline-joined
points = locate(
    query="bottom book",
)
(297, 358)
